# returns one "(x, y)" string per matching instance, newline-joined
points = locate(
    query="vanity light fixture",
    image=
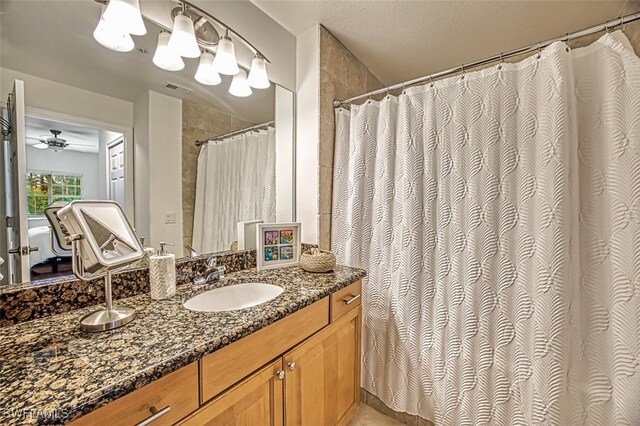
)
(225, 61)
(125, 15)
(258, 78)
(183, 37)
(206, 73)
(193, 29)
(112, 37)
(239, 86)
(164, 57)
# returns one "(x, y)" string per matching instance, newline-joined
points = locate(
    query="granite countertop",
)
(51, 369)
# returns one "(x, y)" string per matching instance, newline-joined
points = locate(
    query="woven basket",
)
(317, 261)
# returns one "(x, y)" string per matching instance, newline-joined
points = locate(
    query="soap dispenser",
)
(162, 273)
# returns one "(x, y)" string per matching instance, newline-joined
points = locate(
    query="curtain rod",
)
(605, 26)
(235, 132)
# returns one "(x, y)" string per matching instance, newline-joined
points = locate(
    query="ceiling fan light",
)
(183, 38)
(206, 73)
(258, 78)
(111, 37)
(164, 57)
(239, 86)
(125, 15)
(225, 61)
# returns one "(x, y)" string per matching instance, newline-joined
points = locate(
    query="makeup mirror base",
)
(107, 319)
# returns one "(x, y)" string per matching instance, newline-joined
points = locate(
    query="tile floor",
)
(367, 416)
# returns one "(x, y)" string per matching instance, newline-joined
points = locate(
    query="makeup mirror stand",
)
(103, 319)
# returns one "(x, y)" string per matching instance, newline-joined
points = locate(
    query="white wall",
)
(158, 174)
(56, 97)
(285, 155)
(307, 132)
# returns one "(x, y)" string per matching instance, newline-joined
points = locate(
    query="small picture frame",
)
(278, 245)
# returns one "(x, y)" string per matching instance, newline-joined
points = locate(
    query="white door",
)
(17, 232)
(116, 172)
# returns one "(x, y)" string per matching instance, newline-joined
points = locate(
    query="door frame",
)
(109, 145)
(127, 137)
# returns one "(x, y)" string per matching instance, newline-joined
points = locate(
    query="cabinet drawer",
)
(178, 391)
(229, 365)
(342, 301)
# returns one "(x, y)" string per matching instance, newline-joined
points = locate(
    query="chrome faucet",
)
(212, 274)
(191, 250)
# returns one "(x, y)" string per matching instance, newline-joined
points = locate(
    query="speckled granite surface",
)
(50, 366)
(29, 301)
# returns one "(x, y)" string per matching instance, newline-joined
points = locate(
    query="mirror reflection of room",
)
(187, 152)
(67, 162)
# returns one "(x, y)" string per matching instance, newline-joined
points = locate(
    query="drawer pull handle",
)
(353, 299)
(292, 366)
(280, 374)
(155, 415)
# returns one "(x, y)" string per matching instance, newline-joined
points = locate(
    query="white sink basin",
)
(233, 297)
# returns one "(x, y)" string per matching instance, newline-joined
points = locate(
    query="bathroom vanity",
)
(292, 360)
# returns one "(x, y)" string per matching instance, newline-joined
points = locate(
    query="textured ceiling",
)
(401, 40)
(52, 39)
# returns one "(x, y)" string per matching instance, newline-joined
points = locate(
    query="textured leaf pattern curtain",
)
(498, 217)
(235, 182)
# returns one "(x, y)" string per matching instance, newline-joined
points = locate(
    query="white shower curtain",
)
(498, 217)
(235, 182)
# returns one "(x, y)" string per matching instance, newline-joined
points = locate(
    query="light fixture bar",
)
(225, 26)
(186, 4)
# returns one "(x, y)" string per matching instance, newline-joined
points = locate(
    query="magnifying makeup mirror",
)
(102, 241)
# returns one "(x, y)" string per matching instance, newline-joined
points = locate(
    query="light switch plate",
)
(169, 218)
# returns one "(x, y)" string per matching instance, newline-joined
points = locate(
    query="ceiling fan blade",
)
(41, 146)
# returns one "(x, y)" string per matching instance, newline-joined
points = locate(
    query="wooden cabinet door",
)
(322, 382)
(255, 401)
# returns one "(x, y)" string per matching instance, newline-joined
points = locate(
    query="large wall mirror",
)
(185, 160)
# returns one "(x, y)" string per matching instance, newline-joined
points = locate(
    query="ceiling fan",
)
(54, 143)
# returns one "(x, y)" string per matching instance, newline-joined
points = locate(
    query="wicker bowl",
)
(317, 260)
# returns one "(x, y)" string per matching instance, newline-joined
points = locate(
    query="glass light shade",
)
(125, 15)
(183, 38)
(225, 61)
(258, 77)
(164, 57)
(111, 37)
(239, 86)
(206, 74)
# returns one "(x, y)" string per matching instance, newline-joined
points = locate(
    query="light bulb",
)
(111, 37)
(164, 57)
(183, 38)
(125, 15)
(206, 74)
(258, 77)
(225, 61)
(239, 86)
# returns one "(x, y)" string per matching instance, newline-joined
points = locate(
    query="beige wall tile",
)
(324, 231)
(327, 135)
(325, 184)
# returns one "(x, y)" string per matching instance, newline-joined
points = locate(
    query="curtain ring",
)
(500, 64)
(403, 89)
(607, 28)
(539, 51)
(622, 24)
(431, 79)
(462, 69)
(568, 48)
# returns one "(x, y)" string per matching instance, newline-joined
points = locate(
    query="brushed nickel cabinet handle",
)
(280, 374)
(292, 366)
(353, 299)
(155, 415)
